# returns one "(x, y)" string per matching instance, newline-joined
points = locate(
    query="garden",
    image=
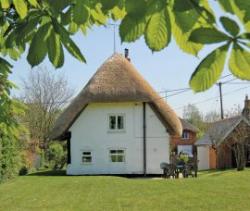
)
(52, 190)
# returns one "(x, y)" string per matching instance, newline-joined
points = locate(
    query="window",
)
(117, 156)
(86, 157)
(116, 122)
(185, 135)
(186, 149)
(120, 122)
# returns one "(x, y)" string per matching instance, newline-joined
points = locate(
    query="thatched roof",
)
(117, 80)
(219, 131)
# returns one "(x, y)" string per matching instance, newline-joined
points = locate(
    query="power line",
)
(228, 81)
(238, 83)
(173, 90)
(225, 76)
(180, 92)
(188, 88)
(212, 98)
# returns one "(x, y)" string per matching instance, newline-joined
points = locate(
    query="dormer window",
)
(116, 122)
(185, 135)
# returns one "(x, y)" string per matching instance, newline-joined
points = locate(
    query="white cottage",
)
(117, 124)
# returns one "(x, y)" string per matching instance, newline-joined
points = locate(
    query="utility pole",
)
(221, 101)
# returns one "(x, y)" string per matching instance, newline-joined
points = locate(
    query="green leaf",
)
(155, 6)
(136, 9)
(97, 15)
(158, 31)
(209, 70)
(67, 42)
(73, 28)
(245, 36)
(208, 36)
(131, 29)
(182, 6)
(38, 46)
(21, 7)
(33, 2)
(186, 20)
(244, 6)
(226, 5)
(181, 37)
(55, 50)
(118, 13)
(57, 6)
(66, 17)
(107, 5)
(25, 31)
(230, 26)
(80, 13)
(5, 63)
(239, 62)
(5, 4)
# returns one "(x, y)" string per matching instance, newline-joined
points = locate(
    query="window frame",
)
(116, 130)
(117, 149)
(91, 156)
(187, 135)
(188, 149)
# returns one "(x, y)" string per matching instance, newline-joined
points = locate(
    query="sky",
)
(166, 70)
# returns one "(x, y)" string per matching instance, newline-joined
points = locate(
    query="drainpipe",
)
(144, 141)
(68, 148)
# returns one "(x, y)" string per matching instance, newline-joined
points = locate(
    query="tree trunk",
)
(239, 151)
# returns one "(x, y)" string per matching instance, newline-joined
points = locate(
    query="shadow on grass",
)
(49, 173)
(220, 172)
(63, 173)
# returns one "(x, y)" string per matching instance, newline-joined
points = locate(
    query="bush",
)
(10, 158)
(23, 171)
(56, 155)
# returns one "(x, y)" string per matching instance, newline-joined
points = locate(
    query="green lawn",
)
(221, 190)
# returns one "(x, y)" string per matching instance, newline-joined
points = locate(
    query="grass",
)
(215, 190)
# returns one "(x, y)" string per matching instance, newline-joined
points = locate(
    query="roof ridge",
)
(229, 118)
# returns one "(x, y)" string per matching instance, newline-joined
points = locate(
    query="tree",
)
(45, 95)
(192, 114)
(212, 116)
(46, 27)
(10, 133)
(240, 144)
(236, 110)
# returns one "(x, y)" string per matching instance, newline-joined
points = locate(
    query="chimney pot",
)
(246, 109)
(126, 53)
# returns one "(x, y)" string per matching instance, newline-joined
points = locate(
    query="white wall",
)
(90, 132)
(203, 157)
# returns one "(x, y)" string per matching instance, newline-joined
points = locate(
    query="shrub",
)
(10, 158)
(56, 155)
(23, 171)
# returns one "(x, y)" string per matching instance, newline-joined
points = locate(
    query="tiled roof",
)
(188, 126)
(219, 130)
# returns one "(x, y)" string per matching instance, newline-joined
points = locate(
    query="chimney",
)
(126, 53)
(246, 109)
